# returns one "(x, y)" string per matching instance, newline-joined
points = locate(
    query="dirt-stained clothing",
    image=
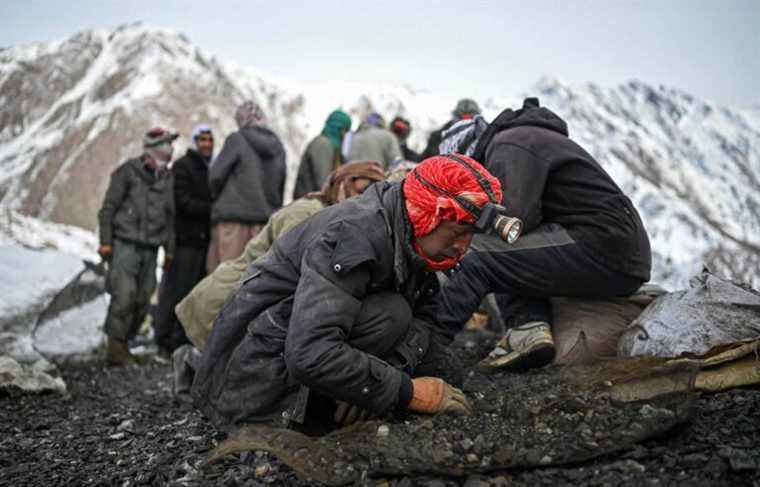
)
(288, 329)
(136, 218)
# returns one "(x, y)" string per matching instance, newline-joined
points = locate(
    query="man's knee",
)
(383, 322)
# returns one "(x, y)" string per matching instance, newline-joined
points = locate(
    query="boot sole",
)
(539, 354)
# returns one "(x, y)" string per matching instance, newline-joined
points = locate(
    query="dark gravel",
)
(119, 426)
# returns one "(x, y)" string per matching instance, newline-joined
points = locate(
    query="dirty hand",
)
(105, 251)
(167, 262)
(432, 395)
(347, 414)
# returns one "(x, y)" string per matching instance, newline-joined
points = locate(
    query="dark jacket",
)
(247, 178)
(138, 206)
(285, 330)
(409, 154)
(546, 177)
(319, 159)
(192, 201)
(435, 140)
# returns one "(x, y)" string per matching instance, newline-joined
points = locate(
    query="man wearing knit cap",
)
(464, 110)
(338, 316)
(322, 154)
(247, 181)
(136, 218)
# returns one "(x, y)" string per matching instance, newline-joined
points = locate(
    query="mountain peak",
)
(73, 110)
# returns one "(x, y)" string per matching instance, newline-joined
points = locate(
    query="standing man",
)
(192, 201)
(247, 181)
(373, 142)
(322, 155)
(136, 218)
(465, 110)
(401, 128)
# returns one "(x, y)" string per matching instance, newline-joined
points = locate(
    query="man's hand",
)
(347, 414)
(167, 262)
(105, 251)
(432, 396)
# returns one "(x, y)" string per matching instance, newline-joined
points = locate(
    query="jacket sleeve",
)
(523, 177)
(170, 243)
(393, 150)
(117, 190)
(185, 203)
(334, 279)
(278, 191)
(223, 165)
(322, 160)
(432, 146)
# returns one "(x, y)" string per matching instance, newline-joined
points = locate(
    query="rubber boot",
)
(117, 353)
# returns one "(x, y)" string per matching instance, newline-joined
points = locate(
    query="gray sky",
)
(461, 48)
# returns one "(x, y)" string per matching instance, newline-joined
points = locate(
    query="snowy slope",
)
(37, 259)
(691, 168)
(70, 111)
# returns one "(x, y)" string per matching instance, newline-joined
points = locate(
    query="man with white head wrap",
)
(192, 201)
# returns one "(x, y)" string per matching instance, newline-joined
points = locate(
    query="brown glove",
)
(105, 251)
(432, 395)
(346, 414)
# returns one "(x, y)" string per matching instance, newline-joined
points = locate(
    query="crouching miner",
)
(336, 317)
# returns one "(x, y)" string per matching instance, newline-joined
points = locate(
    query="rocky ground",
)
(119, 426)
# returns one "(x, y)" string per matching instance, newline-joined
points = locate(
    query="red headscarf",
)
(428, 207)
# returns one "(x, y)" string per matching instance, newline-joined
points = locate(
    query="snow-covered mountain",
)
(70, 111)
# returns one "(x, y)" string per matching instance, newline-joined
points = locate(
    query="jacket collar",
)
(407, 265)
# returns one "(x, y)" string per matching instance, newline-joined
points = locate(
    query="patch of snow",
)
(75, 331)
(32, 277)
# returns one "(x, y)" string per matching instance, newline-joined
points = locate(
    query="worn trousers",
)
(544, 263)
(228, 241)
(131, 281)
(187, 268)
(386, 329)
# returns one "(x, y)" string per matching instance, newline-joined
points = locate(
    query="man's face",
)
(205, 144)
(449, 239)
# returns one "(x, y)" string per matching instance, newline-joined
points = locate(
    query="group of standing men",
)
(200, 213)
(203, 214)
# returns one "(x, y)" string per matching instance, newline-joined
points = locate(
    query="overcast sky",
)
(460, 48)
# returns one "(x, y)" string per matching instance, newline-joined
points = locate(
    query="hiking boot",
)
(526, 346)
(117, 353)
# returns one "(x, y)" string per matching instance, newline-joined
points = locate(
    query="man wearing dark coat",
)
(247, 181)
(582, 236)
(338, 312)
(192, 202)
(464, 110)
(136, 218)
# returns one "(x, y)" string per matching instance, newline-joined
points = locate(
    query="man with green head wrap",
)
(322, 155)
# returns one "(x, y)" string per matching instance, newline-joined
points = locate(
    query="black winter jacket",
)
(284, 331)
(138, 206)
(434, 140)
(192, 201)
(546, 177)
(247, 178)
